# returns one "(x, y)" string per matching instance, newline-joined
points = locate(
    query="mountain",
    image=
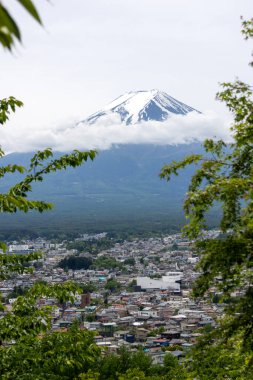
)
(121, 189)
(139, 106)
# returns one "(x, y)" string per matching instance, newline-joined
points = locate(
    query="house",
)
(141, 334)
(147, 312)
(171, 334)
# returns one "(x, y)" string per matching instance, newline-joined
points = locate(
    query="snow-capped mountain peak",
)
(138, 106)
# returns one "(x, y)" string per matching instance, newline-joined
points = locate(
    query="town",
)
(135, 293)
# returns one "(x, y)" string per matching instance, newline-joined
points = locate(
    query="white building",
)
(165, 283)
(18, 247)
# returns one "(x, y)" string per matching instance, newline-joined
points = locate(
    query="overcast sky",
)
(90, 52)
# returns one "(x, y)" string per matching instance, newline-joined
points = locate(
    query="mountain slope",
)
(121, 188)
(140, 106)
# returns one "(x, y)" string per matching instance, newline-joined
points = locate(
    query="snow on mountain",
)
(137, 106)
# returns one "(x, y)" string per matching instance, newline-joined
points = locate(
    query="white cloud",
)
(109, 131)
(90, 52)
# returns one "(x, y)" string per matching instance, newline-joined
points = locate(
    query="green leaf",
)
(30, 7)
(5, 38)
(7, 23)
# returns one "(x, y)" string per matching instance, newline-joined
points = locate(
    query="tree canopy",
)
(107, 262)
(75, 262)
(224, 176)
(26, 339)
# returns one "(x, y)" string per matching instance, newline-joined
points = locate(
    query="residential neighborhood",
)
(144, 300)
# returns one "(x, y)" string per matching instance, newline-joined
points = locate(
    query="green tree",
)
(133, 374)
(28, 348)
(75, 263)
(141, 361)
(27, 319)
(112, 366)
(112, 285)
(156, 331)
(106, 262)
(138, 365)
(92, 246)
(130, 261)
(224, 175)
(56, 356)
(91, 317)
(90, 375)
(136, 374)
(17, 291)
(131, 286)
(88, 287)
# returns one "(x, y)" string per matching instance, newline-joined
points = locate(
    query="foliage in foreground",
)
(59, 355)
(17, 197)
(225, 176)
(29, 350)
(73, 355)
(217, 357)
(25, 337)
(9, 29)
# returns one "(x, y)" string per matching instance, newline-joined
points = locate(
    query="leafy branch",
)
(9, 29)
